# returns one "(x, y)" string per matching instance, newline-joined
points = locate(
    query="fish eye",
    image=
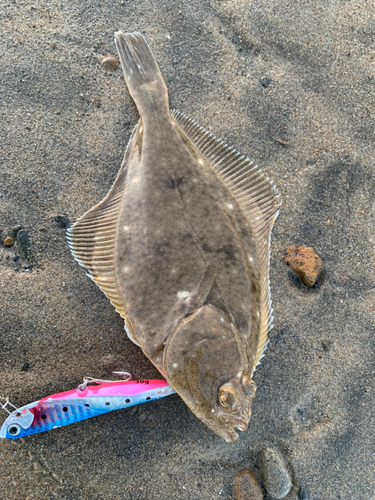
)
(228, 398)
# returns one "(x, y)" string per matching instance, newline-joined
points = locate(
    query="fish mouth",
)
(227, 431)
(239, 424)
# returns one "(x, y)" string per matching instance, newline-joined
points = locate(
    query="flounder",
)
(180, 245)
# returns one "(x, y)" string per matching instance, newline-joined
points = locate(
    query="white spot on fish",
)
(213, 410)
(251, 259)
(174, 365)
(135, 180)
(173, 271)
(222, 319)
(126, 269)
(258, 314)
(126, 228)
(183, 294)
(230, 205)
(200, 161)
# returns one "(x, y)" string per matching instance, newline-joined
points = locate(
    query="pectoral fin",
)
(204, 287)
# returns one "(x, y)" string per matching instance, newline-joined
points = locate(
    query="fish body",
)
(69, 407)
(180, 245)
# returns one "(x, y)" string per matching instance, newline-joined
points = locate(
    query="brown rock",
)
(8, 242)
(111, 63)
(246, 486)
(304, 262)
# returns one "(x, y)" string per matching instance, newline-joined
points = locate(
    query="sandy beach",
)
(290, 85)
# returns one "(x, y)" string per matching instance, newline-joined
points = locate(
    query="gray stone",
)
(23, 244)
(246, 486)
(276, 478)
(304, 493)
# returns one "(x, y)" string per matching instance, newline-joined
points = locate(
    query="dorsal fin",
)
(92, 238)
(256, 195)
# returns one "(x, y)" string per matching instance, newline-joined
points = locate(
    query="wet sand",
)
(292, 86)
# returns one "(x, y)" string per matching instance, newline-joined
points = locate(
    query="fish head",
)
(205, 363)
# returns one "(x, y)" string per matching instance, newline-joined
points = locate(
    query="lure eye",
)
(228, 398)
(14, 429)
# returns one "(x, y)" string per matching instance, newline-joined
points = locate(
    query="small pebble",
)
(246, 486)
(61, 221)
(265, 82)
(15, 231)
(25, 367)
(111, 63)
(23, 244)
(276, 478)
(311, 161)
(304, 493)
(326, 344)
(8, 242)
(304, 262)
(283, 143)
(38, 468)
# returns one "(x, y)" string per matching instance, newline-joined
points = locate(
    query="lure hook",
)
(3, 406)
(92, 380)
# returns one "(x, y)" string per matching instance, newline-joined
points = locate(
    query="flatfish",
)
(180, 246)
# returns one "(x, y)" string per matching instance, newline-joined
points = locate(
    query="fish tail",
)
(141, 72)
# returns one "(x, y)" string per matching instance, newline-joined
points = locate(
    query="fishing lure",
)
(86, 401)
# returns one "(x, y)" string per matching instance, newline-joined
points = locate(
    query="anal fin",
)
(92, 238)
